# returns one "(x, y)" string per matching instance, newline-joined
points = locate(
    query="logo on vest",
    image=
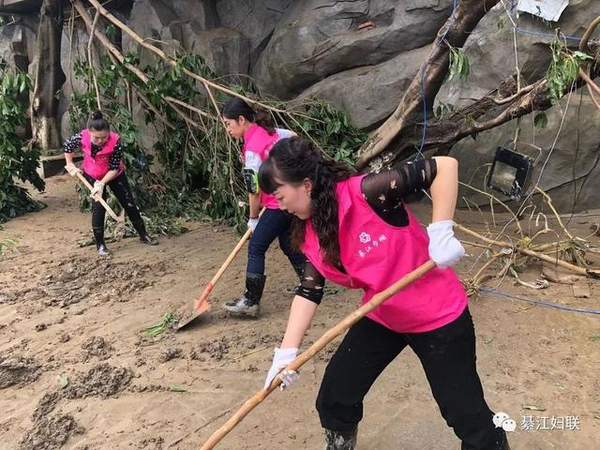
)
(365, 238)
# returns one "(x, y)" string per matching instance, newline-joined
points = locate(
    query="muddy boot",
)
(340, 440)
(300, 272)
(248, 303)
(100, 245)
(149, 240)
(145, 238)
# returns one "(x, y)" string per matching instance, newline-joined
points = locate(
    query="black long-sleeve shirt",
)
(74, 142)
(384, 191)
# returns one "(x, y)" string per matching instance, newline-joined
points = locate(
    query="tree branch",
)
(429, 78)
(172, 62)
(402, 132)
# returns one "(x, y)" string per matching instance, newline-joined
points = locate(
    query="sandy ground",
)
(77, 373)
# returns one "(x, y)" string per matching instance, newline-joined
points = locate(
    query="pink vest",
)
(96, 167)
(376, 255)
(259, 141)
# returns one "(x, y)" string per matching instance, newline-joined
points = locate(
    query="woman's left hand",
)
(444, 249)
(97, 190)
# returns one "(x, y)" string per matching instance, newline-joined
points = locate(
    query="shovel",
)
(305, 356)
(201, 305)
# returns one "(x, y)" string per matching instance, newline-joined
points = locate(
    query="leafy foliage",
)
(332, 131)
(540, 121)
(7, 245)
(459, 64)
(16, 159)
(563, 68)
(193, 168)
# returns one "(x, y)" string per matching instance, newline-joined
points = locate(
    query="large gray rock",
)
(492, 57)
(191, 26)
(318, 38)
(254, 19)
(152, 20)
(226, 51)
(370, 94)
(17, 42)
(574, 157)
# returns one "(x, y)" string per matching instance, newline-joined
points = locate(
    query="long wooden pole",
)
(99, 198)
(305, 356)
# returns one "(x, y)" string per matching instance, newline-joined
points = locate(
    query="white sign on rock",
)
(546, 9)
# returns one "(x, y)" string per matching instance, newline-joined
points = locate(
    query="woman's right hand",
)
(72, 169)
(252, 224)
(281, 358)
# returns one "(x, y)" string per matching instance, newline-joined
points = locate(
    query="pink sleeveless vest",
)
(376, 255)
(96, 167)
(258, 140)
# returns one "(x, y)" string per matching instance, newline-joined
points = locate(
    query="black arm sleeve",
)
(115, 159)
(72, 144)
(312, 284)
(385, 190)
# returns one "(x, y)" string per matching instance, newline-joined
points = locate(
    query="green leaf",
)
(500, 25)
(533, 407)
(582, 56)
(540, 121)
(178, 388)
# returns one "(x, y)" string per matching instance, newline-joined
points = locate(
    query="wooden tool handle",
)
(305, 356)
(98, 198)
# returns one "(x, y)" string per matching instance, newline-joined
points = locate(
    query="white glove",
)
(72, 169)
(252, 224)
(282, 357)
(444, 249)
(98, 189)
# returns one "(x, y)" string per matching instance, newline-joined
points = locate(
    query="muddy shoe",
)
(243, 306)
(340, 440)
(248, 304)
(102, 250)
(146, 239)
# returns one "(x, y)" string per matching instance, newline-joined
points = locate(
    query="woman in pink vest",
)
(256, 129)
(102, 166)
(355, 230)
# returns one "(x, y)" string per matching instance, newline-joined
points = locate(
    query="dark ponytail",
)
(292, 161)
(237, 107)
(97, 122)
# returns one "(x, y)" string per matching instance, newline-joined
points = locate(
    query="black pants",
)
(447, 355)
(120, 187)
(274, 223)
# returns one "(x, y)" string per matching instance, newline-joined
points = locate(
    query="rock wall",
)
(361, 55)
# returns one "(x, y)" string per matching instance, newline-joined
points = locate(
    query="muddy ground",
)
(76, 372)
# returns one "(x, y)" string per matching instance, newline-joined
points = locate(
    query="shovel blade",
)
(199, 306)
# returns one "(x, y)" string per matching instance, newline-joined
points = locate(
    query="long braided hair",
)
(294, 160)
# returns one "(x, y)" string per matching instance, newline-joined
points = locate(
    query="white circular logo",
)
(364, 237)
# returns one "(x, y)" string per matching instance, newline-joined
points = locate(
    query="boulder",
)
(315, 39)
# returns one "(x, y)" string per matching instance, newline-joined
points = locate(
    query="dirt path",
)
(76, 373)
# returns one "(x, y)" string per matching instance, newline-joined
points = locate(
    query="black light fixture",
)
(510, 172)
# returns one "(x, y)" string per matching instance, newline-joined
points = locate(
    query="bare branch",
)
(430, 76)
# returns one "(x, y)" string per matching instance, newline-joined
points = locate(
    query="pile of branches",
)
(193, 169)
